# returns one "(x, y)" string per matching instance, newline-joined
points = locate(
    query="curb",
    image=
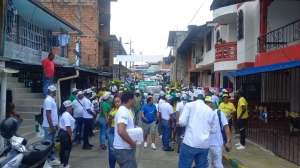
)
(233, 161)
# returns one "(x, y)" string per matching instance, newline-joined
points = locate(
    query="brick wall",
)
(88, 12)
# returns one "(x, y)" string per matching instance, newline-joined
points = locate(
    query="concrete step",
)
(26, 129)
(17, 96)
(29, 115)
(19, 90)
(29, 135)
(15, 85)
(29, 108)
(11, 79)
(28, 121)
(29, 102)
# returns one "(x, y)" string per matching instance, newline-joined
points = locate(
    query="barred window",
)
(240, 25)
(34, 36)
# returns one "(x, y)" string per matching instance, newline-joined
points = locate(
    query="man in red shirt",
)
(48, 71)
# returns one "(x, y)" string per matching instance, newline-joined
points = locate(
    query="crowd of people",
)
(198, 121)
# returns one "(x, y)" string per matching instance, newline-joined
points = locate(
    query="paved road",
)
(146, 157)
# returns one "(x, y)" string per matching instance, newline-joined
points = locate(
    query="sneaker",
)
(104, 148)
(153, 146)
(54, 162)
(241, 147)
(238, 144)
(46, 165)
(182, 136)
(160, 137)
(173, 142)
(62, 166)
(145, 144)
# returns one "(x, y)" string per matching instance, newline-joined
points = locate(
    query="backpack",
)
(221, 126)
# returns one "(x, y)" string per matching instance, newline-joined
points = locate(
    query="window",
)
(208, 42)
(34, 36)
(217, 35)
(240, 25)
(194, 54)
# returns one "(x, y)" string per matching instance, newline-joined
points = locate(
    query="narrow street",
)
(146, 157)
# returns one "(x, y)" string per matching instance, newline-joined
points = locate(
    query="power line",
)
(197, 12)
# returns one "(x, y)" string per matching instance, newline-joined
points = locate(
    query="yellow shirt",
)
(242, 102)
(226, 108)
(113, 113)
(174, 107)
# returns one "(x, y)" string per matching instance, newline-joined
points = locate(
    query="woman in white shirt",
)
(66, 124)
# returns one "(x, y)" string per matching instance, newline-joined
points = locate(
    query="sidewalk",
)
(255, 157)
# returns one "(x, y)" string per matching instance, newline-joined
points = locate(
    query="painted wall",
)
(208, 57)
(231, 32)
(225, 65)
(246, 47)
(277, 56)
(224, 14)
(282, 12)
(28, 55)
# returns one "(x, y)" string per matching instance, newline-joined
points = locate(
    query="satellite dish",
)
(77, 54)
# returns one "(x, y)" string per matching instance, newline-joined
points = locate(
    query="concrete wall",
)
(208, 57)
(246, 47)
(28, 55)
(231, 32)
(282, 12)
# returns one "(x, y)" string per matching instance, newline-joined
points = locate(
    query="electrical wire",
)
(197, 12)
(56, 14)
(30, 22)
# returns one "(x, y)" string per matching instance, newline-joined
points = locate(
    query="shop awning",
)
(267, 68)
(221, 3)
(35, 12)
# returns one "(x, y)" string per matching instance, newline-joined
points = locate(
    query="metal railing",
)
(28, 43)
(226, 51)
(280, 37)
(274, 111)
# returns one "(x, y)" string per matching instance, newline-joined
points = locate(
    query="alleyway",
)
(146, 157)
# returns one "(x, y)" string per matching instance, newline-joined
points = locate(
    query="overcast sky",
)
(148, 22)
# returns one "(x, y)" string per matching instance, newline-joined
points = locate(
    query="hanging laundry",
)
(55, 41)
(63, 39)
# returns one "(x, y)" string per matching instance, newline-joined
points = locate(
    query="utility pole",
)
(120, 53)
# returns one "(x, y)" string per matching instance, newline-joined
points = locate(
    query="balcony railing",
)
(36, 45)
(226, 51)
(280, 37)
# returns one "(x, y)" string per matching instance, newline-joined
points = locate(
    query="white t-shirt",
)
(66, 120)
(217, 139)
(113, 88)
(86, 105)
(49, 104)
(161, 101)
(180, 107)
(122, 116)
(166, 109)
(78, 108)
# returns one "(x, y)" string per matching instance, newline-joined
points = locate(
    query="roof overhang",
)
(196, 32)
(267, 68)
(222, 3)
(33, 11)
(8, 70)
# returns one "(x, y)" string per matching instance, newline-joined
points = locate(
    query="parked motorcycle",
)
(19, 154)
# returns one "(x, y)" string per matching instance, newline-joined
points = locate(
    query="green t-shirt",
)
(221, 100)
(110, 102)
(105, 108)
(72, 97)
(172, 94)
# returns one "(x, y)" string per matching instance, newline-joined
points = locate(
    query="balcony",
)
(282, 37)
(226, 52)
(225, 15)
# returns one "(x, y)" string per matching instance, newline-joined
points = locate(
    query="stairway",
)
(27, 104)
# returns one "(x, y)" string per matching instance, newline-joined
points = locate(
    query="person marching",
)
(103, 120)
(179, 110)
(110, 133)
(228, 109)
(67, 125)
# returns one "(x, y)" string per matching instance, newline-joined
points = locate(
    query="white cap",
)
(177, 94)
(224, 90)
(106, 96)
(80, 93)
(184, 96)
(67, 103)
(74, 90)
(199, 92)
(88, 90)
(52, 88)
(168, 97)
(137, 91)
